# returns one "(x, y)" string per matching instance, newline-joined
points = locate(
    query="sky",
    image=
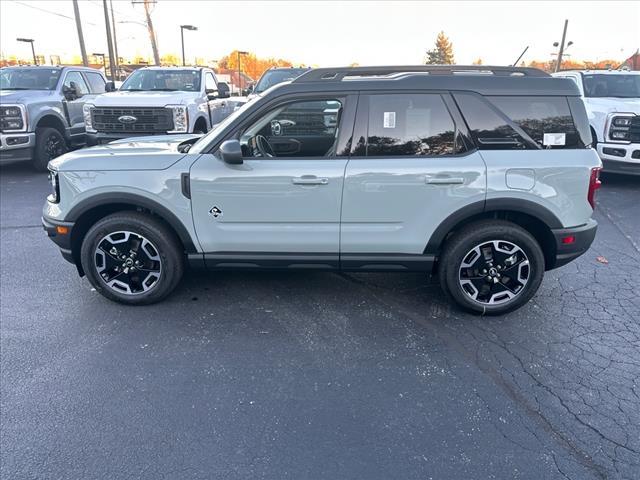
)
(332, 33)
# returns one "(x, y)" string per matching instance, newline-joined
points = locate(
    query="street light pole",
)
(33, 50)
(561, 51)
(107, 24)
(239, 73)
(182, 29)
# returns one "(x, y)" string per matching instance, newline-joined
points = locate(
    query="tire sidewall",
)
(170, 257)
(40, 156)
(513, 234)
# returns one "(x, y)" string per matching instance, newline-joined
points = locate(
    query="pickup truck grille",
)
(634, 129)
(147, 120)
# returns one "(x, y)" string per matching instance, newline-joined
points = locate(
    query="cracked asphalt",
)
(317, 375)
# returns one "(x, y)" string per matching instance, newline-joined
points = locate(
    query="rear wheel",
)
(132, 258)
(491, 267)
(50, 143)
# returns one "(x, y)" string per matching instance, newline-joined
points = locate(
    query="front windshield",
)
(204, 141)
(273, 77)
(162, 81)
(612, 85)
(29, 78)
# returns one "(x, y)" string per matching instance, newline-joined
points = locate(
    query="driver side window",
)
(76, 79)
(306, 128)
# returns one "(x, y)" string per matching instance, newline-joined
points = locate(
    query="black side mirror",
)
(109, 87)
(70, 92)
(223, 90)
(231, 152)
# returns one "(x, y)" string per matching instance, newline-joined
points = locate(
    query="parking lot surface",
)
(318, 375)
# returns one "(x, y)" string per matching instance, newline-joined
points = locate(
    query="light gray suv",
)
(483, 175)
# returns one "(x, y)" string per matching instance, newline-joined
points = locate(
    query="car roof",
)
(155, 67)
(486, 80)
(54, 67)
(601, 72)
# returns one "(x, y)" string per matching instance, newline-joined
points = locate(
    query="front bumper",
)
(101, 138)
(582, 239)
(16, 147)
(63, 241)
(620, 157)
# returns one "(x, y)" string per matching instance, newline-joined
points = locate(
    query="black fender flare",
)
(476, 209)
(131, 199)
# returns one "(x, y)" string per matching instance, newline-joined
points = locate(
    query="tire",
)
(157, 249)
(50, 143)
(491, 267)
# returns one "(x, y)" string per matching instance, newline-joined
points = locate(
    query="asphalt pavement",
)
(309, 375)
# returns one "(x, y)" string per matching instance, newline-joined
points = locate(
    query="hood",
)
(143, 99)
(138, 153)
(23, 96)
(613, 104)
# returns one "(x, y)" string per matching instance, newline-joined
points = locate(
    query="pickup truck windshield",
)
(24, 78)
(620, 86)
(163, 80)
(273, 77)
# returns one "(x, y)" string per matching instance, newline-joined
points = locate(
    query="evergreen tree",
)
(442, 54)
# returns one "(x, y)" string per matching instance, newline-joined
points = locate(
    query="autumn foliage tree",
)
(250, 64)
(442, 54)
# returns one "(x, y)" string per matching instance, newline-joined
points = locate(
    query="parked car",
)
(612, 100)
(41, 111)
(487, 180)
(274, 76)
(158, 101)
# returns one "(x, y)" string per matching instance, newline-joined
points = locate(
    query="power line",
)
(49, 11)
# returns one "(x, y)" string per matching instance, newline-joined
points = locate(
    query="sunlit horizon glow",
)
(331, 33)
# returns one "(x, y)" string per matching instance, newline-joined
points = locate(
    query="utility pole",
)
(561, 51)
(152, 35)
(107, 24)
(83, 51)
(115, 41)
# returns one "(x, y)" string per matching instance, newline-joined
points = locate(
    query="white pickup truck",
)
(612, 101)
(159, 101)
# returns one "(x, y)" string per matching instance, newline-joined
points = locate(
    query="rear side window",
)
(96, 82)
(511, 122)
(547, 120)
(409, 124)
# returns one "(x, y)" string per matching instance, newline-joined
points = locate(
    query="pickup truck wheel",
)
(50, 143)
(132, 258)
(491, 267)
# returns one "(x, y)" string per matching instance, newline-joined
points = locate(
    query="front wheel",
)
(491, 267)
(50, 143)
(132, 258)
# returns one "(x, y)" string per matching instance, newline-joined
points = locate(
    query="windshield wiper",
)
(16, 88)
(163, 89)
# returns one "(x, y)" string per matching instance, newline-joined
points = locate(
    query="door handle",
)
(445, 180)
(309, 180)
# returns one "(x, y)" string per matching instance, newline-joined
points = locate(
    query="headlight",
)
(180, 118)
(13, 118)
(88, 121)
(620, 127)
(54, 196)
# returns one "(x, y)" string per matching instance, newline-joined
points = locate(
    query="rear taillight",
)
(594, 185)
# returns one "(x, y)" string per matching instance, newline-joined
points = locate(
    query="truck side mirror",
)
(223, 90)
(109, 87)
(231, 152)
(70, 92)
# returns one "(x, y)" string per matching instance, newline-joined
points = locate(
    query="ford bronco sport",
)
(483, 175)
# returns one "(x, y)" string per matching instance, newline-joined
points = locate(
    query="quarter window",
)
(76, 79)
(409, 124)
(96, 82)
(547, 120)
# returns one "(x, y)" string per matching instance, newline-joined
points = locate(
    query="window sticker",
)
(554, 139)
(389, 120)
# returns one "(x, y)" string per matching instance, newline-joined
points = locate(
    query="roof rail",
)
(339, 73)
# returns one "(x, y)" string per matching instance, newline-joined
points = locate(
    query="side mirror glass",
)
(231, 152)
(109, 87)
(223, 90)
